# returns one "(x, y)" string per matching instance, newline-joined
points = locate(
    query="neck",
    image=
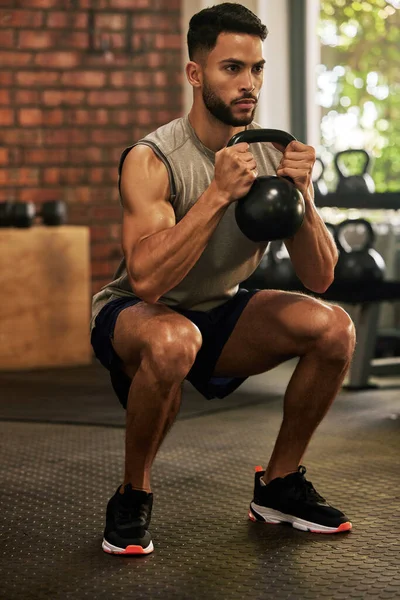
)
(211, 132)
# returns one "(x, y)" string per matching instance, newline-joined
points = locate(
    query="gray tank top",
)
(229, 257)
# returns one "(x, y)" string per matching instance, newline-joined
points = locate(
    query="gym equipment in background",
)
(24, 214)
(356, 183)
(358, 261)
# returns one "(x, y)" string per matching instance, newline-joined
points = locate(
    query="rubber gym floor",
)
(62, 437)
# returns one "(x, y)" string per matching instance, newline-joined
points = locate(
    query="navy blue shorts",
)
(215, 325)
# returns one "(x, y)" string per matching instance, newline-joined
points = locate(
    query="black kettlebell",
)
(358, 261)
(274, 208)
(319, 184)
(350, 184)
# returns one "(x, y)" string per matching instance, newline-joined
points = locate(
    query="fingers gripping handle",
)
(262, 135)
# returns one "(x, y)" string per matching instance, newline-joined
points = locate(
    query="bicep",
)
(145, 194)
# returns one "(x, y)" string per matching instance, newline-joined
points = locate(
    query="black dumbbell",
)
(23, 214)
(6, 214)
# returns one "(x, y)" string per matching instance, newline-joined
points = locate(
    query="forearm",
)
(160, 261)
(313, 251)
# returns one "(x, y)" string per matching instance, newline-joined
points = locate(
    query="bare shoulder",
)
(144, 171)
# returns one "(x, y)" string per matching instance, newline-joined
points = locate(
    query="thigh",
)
(144, 325)
(274, 327)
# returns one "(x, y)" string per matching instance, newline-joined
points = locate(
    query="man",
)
(174, 310)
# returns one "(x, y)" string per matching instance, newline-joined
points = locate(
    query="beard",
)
(223, 112)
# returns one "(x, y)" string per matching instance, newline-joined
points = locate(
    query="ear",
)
(194, 74)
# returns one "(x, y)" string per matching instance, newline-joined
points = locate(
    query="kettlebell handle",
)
(352, 151)
(252, 136)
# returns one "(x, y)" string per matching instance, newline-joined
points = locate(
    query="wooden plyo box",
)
(45, 297)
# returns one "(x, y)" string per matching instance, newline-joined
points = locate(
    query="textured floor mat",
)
(56, 479)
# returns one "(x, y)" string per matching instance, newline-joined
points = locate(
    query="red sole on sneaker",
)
(132, 550)
(342, 528)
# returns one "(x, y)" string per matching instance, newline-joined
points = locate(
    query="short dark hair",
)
(206, 25)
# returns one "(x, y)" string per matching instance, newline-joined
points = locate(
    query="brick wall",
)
(79, 81)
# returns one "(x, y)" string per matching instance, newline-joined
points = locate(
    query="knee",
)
(172, 350)
(338, 337)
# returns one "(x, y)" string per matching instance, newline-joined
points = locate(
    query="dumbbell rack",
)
(364, 364)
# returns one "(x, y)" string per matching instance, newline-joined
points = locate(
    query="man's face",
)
(232, 78)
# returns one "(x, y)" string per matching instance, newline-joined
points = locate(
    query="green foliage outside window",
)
(359, 84)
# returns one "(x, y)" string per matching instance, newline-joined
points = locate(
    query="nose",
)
(247, 83)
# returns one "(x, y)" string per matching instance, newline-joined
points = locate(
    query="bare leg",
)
(158, 348)
(294, 325)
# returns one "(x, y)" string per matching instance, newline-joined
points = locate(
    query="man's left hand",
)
(297, 163)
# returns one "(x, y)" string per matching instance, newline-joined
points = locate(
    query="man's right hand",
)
(235, 171)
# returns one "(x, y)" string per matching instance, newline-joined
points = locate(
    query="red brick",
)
(40, 3)
(73, 39)
(57, 19)
(8, 195)
(6, 116)
(39, 195)
(145, 22)
(123, 117)
(21, 18)
(109, 21)
(51, 176)
(130, 4)
(90, 79)
(88, 117)
(79, 194)
(114, 60)
(53, 117)
(111, 250)
(67, 19)
(100, 4)
(62, 60)
(89, 154)
(15, 59)
(20, 177)
(21, 136)
(110, 136)
(34, 116)
(6, 78)
(108, 98)
(45, 156)
(3, 155)
(104, 194)
(37, 78)
(5, 97)
(131, 79)
(160, 79)
(67, 97)
(7, 38)
(74, 176)
(96, 175)
(30, 117)
(5, 177)
(61, 137)
(27, 97)
(36, 39)
(102, 268)
(168, 41)
(154, 60)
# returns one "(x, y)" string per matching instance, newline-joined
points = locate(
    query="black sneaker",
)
(293, 499)
(127, 522)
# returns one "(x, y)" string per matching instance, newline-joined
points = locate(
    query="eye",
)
(232, 68)
(259, 68)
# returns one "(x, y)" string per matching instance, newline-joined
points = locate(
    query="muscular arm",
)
(312, 250)
(160, 252)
